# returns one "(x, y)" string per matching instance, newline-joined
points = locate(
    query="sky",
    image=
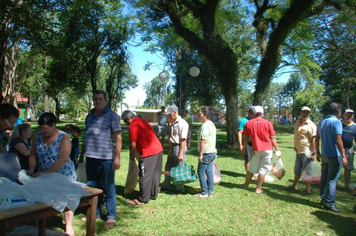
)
(139, 59)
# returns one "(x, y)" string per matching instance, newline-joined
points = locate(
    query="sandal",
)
(109, 223)
(305, 192)
(135, 202)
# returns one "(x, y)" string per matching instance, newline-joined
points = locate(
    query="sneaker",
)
(201, 195)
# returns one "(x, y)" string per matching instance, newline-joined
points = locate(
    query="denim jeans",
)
(172, 161)
(101, 175)
(330, 171)
(206, 168)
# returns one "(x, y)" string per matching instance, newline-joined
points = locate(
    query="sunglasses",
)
(8, 123)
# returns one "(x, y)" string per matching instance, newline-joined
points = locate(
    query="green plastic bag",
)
(183, 174)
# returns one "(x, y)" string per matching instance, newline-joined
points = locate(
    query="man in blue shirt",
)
(102, 156)
(249, 151)
(162, 125)
(348, 137)
(332, 155)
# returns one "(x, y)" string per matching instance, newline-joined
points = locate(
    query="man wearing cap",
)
(332, 156)
(162, 124)
(304, 146)
(263, 140)
(189, 120)
(348, 137)
(177, 142)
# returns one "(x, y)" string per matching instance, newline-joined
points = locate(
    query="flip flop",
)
(259, 192)
(201, 195)
(109, 223)
(305, 192)
(135, 202)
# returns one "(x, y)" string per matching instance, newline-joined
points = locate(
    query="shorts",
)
(349, 152)
(162, 130)
(301, 161)
(249, 152)
(261, 162)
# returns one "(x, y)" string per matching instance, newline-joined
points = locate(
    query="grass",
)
(232, 210)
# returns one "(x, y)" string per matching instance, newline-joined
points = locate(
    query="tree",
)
(156, 91)
(293, 85)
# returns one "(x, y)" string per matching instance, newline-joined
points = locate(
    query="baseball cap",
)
(305, 108)
(171, 108)
(349, 111)
(257, 109)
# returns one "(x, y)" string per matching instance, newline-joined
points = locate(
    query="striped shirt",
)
(98, 141)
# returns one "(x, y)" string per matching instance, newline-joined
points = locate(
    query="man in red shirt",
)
(144, 140)
(263, 140)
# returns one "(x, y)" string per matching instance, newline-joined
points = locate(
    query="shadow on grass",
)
(232, 174)
(337, 222)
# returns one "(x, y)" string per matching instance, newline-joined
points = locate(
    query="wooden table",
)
(15, 217)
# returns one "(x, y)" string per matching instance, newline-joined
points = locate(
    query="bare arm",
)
(340, 147)
(201, 151)
(312, 148)
(317, 149)
(181, 149)
(63, 156)
(21, 148)
(118, 144)
(239, 138)
(275, 144)
(32, 158)
(132, 150)
(244, 145)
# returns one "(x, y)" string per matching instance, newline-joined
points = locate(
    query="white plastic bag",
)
(132, 177)
(82, 173)
(217, 174)
(278, 169)
(311, 174)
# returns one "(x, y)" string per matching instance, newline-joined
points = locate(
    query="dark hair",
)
(208, 112)
(100, 92)
(8, 110)
(127, 114)
(76, 129)
(47, 118)
(334, 108)
(18, 130)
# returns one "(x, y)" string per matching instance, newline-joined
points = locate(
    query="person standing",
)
(249, 151)
(348, 137)
(102, 156)
(189, 120)
(332, 155)
(8, 118)
(207, 153)
(21, 144)
(177, 142)
(304, 145)
(144, 140)
(50, 150)
(263, 141)
(162, 125)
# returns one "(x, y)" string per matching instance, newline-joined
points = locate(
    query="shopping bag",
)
(82, 172)
(311, 174)
(132, 177)
(217, 174)
(183, 174)
(278, 169)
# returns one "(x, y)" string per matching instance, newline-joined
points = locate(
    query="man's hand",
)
(116, 164)
(318, 157)
(344, 162)
(180, 157)
(241, 147)
(312, 157)
(200, 159)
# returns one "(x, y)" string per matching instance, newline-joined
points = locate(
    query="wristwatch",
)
(313, 153)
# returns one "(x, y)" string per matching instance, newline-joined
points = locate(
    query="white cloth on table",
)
(54, 189)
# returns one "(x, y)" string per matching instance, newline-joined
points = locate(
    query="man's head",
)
(163, 109)
(250, 114)
(172, 113)
(349, 115)
(127, 116)
(100, 100)
(335, 109)
(304, 113)
(185, 113)
(257, 111)
(8, 116)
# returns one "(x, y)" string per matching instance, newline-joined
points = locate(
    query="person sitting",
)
(21, 144)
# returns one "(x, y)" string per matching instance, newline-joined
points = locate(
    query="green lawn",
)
(232, 210)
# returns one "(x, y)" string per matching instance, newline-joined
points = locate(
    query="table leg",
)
(3, 228)
(91, 215)
(42, 227)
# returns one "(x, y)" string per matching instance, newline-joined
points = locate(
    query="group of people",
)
(257, 139)
(51, 148)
